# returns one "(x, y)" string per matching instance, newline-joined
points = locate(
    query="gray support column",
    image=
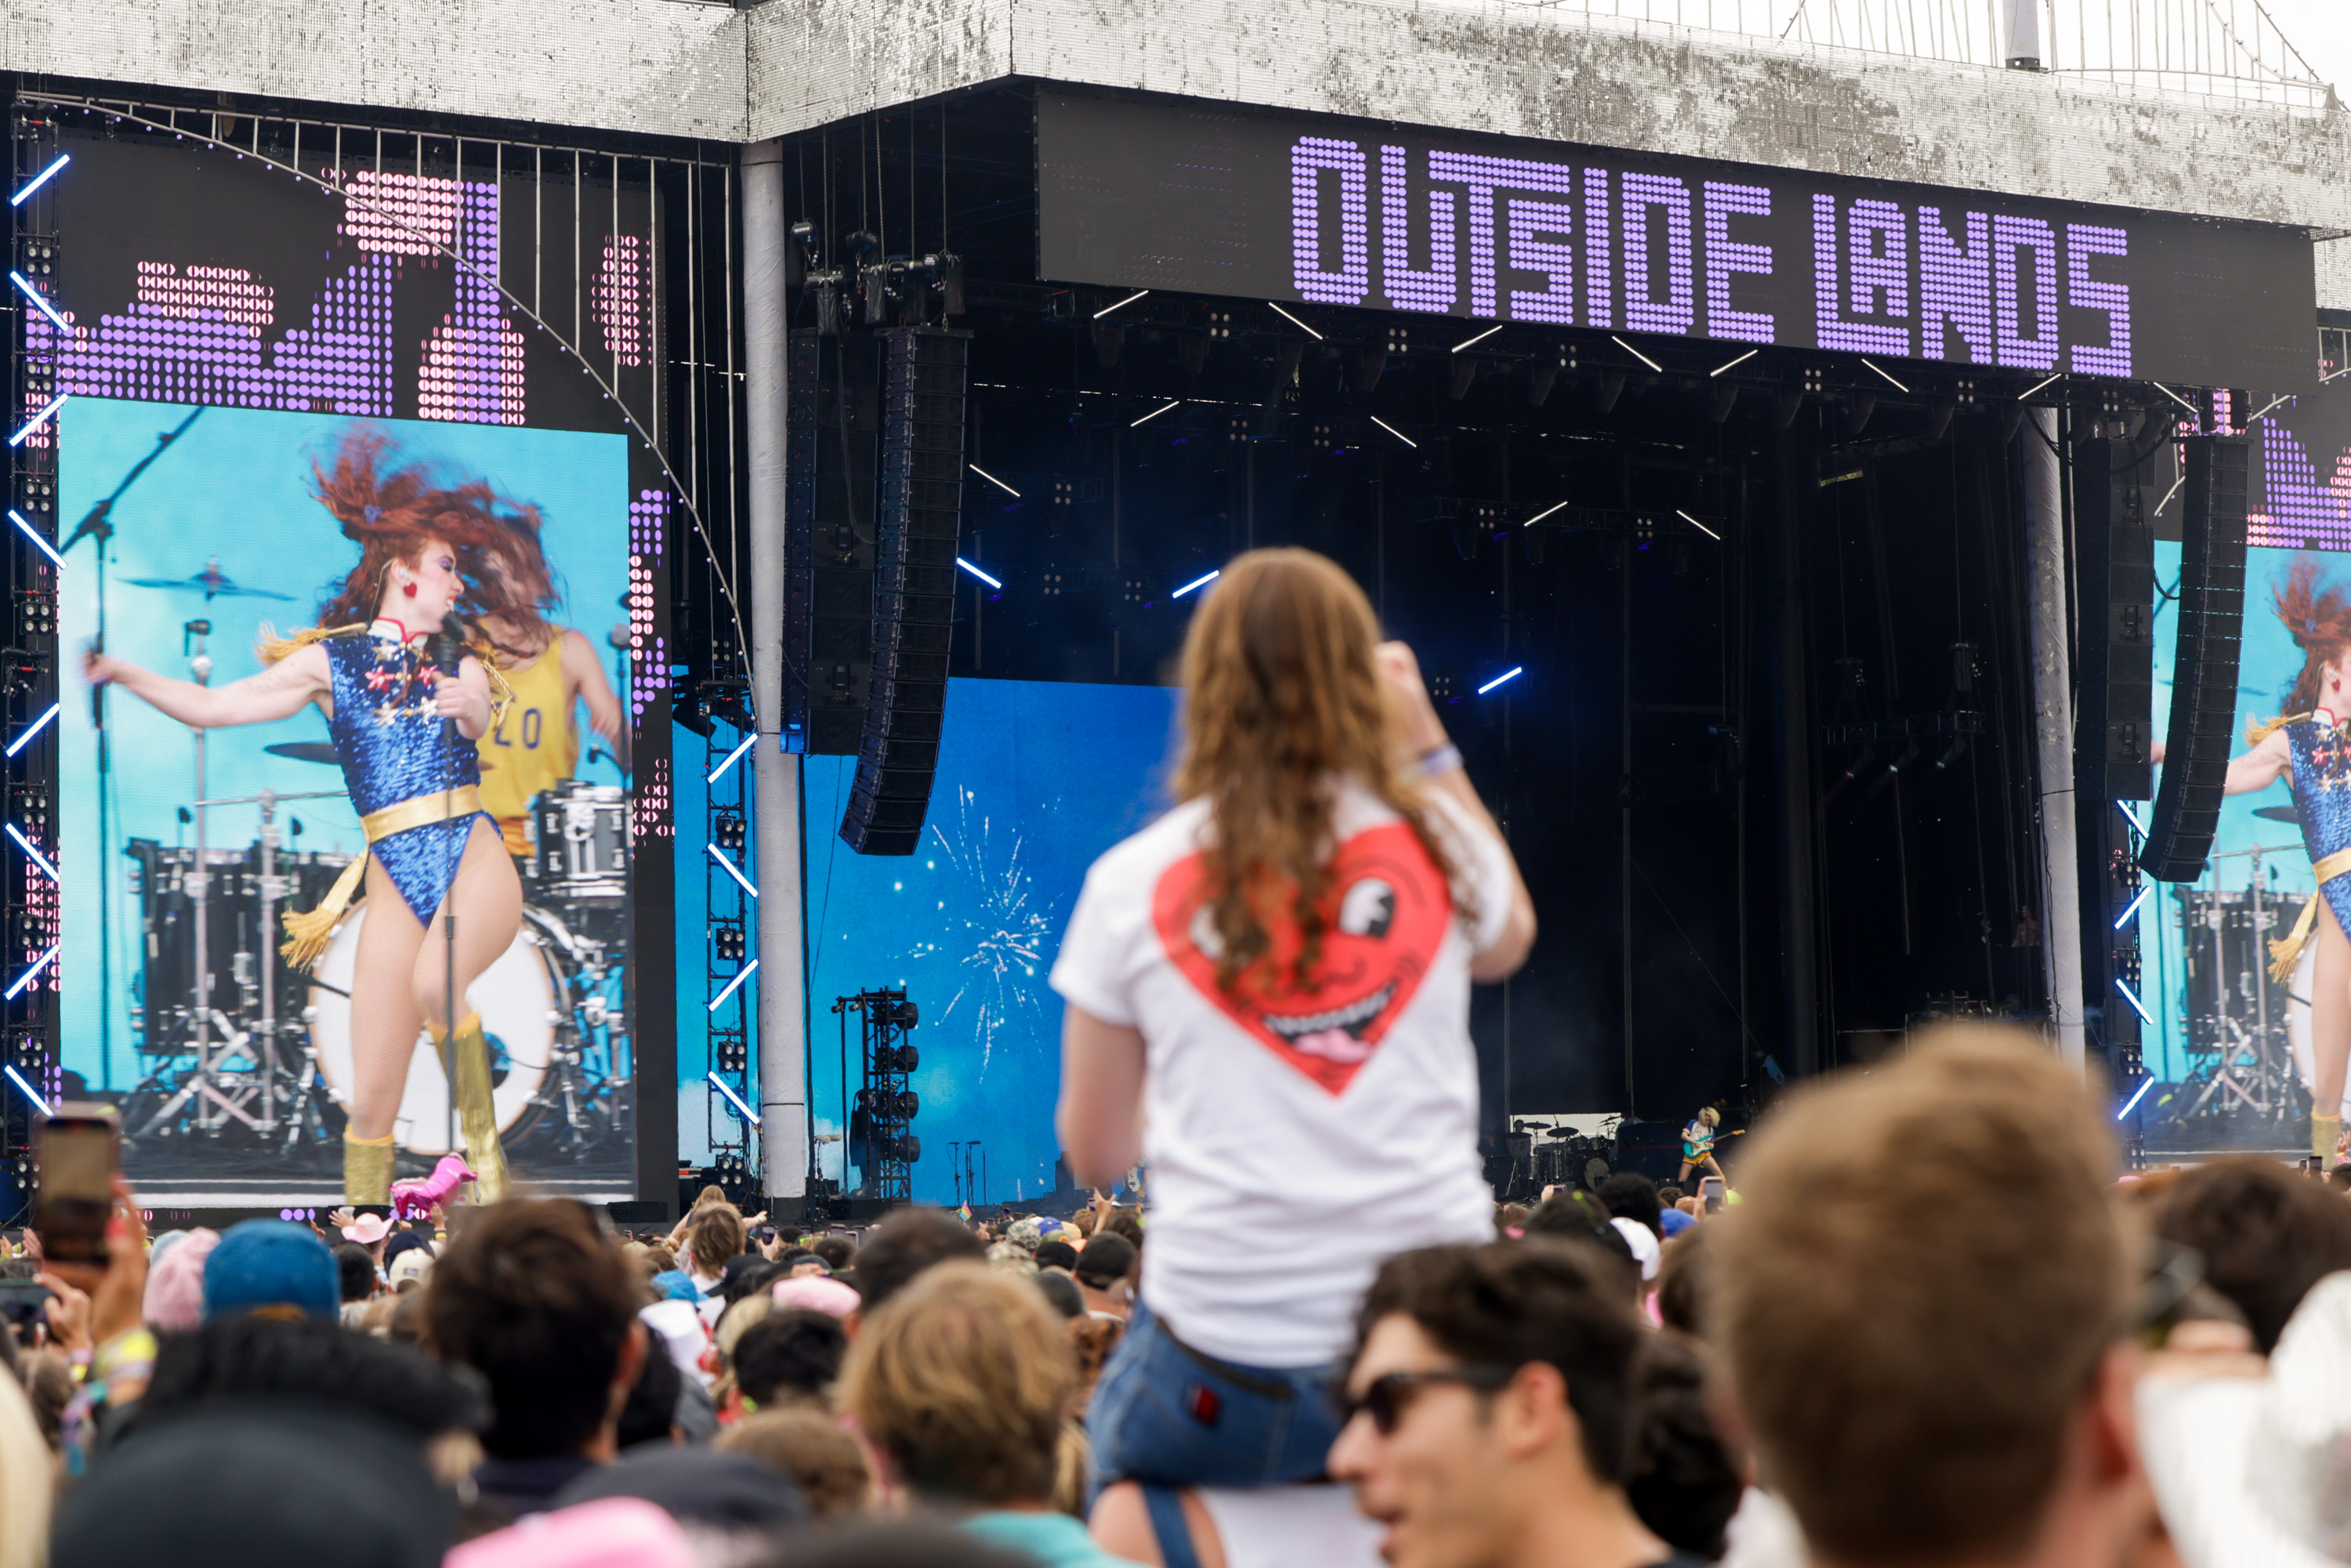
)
(2053, 705)
(783, 1015)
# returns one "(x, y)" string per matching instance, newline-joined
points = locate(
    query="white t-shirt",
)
(1296, 1142)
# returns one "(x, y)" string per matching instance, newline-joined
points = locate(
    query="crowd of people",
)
(1936, 1323)
(1927, 1317)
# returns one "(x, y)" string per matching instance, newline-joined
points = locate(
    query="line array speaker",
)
(2113, 494)
(2204, 667)
(918, 520)
(801, 363)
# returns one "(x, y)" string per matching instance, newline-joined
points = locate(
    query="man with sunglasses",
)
(1487, 1409)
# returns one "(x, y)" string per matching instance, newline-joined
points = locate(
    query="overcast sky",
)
(2321, 30)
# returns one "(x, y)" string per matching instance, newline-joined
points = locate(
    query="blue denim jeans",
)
(1166, 1412)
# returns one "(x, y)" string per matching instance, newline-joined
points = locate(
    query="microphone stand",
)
(447, 658)
(98, 525)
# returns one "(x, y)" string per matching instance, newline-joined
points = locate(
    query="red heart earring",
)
(410, 589)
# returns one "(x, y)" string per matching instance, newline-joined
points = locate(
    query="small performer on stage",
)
(1697, 1144)
(535, 745)
(2312, 744)
(427, 556)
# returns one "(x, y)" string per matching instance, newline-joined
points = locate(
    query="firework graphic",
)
(998, 930)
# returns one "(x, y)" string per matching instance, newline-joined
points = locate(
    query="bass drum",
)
(2297, 1020)
(518, 998)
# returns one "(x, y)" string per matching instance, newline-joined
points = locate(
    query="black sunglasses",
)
(1385, 1397)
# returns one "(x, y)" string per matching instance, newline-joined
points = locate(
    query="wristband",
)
(1443, 759)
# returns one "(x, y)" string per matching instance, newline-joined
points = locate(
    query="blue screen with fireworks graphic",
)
(1035, 780)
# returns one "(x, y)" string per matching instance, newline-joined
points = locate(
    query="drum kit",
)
(260, 1056)
(2244, 1030)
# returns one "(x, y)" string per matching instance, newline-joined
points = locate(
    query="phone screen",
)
(77, 1174)
(1710, 1192)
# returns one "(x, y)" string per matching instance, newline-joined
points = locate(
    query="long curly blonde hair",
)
(1283, 698)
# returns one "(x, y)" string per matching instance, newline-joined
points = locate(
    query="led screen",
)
(1035, 780)
(1158, 195)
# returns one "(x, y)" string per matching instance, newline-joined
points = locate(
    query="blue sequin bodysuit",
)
(389, 740)
(2322, 799)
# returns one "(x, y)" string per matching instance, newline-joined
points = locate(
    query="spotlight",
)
(1197, 582)
(977, 573)
(1511, 673)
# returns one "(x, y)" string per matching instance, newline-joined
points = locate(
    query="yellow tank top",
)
(533, 748)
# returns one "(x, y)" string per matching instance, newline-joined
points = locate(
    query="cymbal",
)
(2277, 814)
(211, 580)
(304, 750)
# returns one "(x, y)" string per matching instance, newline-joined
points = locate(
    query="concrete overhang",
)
(674, 67)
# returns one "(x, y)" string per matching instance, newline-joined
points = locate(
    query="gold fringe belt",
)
(306, 933)
(2284, 955)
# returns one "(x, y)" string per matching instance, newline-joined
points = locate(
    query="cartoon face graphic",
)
(1388, 910)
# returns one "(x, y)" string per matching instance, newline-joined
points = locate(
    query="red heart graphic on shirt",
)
(1386, 914)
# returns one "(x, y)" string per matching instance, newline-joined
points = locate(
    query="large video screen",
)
(1035, 780)
(1169, 194)
(220, 330)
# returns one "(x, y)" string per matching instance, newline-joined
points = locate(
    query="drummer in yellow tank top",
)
(536, 746)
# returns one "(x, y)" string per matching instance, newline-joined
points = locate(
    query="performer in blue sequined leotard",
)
(441, 901)
(2311, 745)
(387, 736)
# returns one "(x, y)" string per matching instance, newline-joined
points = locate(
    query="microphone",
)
(446, 652)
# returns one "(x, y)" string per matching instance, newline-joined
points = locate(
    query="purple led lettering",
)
(1878, 253)
(1527, 253)
(1307, 162)
(1483, 176)
(2300, 510)
(1832, 331)
(2084, 292)
(1644, 312)
(1726, 257)
(1435, 287)
(1599, 308)
(473, 368)
(2009, 236)
(1954, 287)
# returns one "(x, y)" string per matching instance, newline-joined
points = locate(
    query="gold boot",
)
(469, 1062)
(367, 1170)
(2324, 1130)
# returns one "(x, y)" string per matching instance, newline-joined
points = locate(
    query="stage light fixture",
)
(731, 869)
(1636, 353)
(1480, 338)
(977, 573)
(994, 481)
(38, 859)
(1698, 525)
(732, 757)
(732, 986)
(2137, 1095)
(37, 298)
(1546, 512)
(2167, 495)
(25, 980)
(38, 725)
(1511, 673)
(2265, 408)
(2166, 391)
(1197, 582)
(1734, 364)
(1881, 370)
(34, 534)
(40, 419)
(1122, 304)
(39, 180)
(2131, 817)
(1300, 325)
(2132, 909)
(27, 1090)
(1399, 435)
(2046, 380)
(1156, 413)
(735, 1100)
(2136, 1005)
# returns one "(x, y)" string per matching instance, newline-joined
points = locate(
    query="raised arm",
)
(1423, 732)
(2259, 768)
(583, 676)
(278, 692)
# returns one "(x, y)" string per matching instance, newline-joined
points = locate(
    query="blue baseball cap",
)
(272, 1263)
